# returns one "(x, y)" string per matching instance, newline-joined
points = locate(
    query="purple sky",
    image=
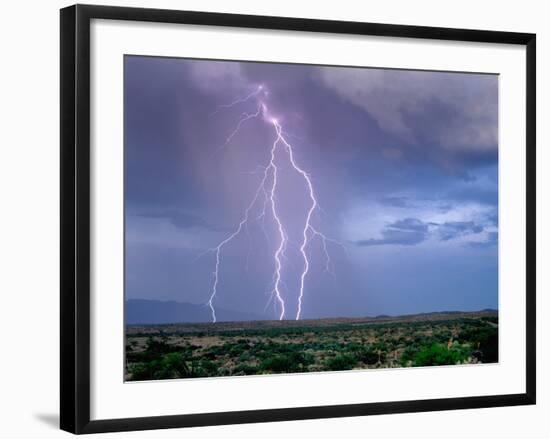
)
(404, 166)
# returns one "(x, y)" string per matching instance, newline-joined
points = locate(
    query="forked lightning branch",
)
(269, 193)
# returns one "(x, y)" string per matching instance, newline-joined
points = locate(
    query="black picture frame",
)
(75, 217)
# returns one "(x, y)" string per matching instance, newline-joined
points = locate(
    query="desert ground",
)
(155, 352)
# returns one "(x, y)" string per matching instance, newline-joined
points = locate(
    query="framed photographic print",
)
(267, 218)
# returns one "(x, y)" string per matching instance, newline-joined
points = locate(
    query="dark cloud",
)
(410, 224)
(425, 107)
(412, 231)
(409, 231)
(364, 136)
(454, 229)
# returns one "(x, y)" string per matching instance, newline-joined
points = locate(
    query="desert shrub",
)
(438, 355)
(131, 346)
(204, 368)
(246, 369)
(368, 356)
(171, 365)
(245, 356)
(154, 350)
(208, 355)
(341, 362)
(290, 362)
(485, 339)
(224, 371)
(278, 363)
(220, 350)
(139, 372)
(408, 355)
(155, 346)
(237, 349)
(354, 347)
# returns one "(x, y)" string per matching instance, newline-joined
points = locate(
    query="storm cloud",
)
(454, 111)
(453, 229)
(404, 166)
(409, 231)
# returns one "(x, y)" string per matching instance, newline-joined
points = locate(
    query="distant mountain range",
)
(157, 312)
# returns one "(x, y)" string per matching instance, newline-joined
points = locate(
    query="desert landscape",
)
(195, 350)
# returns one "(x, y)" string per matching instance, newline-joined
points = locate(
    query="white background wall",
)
(29, 249)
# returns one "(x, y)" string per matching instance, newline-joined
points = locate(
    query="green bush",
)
(245, 369)
(170, 365)
(287, 363)
(408, 355)
(439, 355)
(369, 356)
(278, 363)
(484, 338)
(341, 362)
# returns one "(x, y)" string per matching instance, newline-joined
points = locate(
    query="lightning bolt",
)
(217, 250)
(242, 120)
(282, 233)
(259, 89)
(268, 186)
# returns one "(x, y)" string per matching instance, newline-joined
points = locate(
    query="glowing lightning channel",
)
(270, 198)
(307, 225)
(253, 94)
(282, 234)
(217, 250)
(243, 119)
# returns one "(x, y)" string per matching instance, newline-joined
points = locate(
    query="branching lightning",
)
(243, 119)
(268, 187)
(238, 101)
